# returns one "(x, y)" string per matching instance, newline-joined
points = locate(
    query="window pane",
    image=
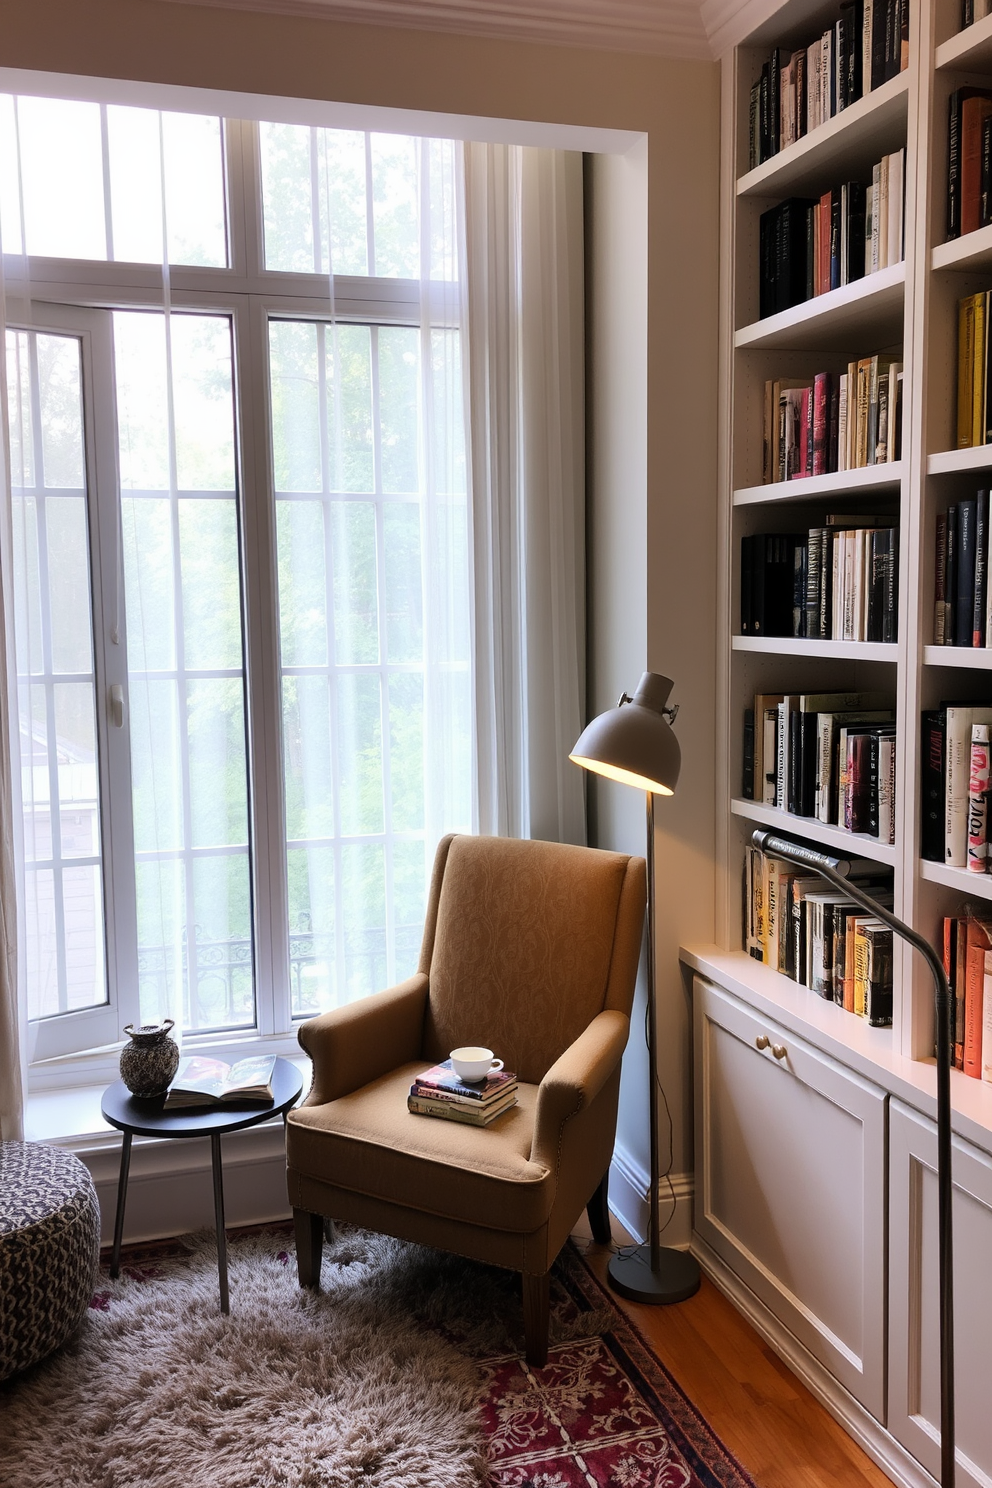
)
(395, 206)
(185, 668)
(314, 199)
(374, 648)
(194, 190)
(63, 939)
(287, 197)
(62, 177)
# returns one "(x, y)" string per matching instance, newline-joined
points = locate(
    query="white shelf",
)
(974, 658)
(837, 483)
(869, 309)
(845, 844)
(978, 885)
(973, 251)
(946, 462)
(969, 51)
(855, 139)
(800, 646)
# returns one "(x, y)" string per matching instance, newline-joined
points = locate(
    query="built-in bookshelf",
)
(908, 311)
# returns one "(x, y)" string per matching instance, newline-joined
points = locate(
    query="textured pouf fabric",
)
(49, 1250)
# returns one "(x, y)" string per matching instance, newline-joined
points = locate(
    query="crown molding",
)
(667, 28)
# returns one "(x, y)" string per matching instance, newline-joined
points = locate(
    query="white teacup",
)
(472, 1064)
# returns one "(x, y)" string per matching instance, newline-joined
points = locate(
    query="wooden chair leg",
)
(598, 1211)
(309, 1247)
(537, 1307)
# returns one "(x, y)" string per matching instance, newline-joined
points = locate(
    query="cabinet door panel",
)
(790, 1185)
(914, 1386)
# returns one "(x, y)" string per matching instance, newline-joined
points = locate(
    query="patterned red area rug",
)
(603, 1413)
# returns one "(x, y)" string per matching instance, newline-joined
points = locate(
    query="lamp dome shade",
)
(634, 742)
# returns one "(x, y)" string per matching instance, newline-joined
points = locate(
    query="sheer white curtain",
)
(14, 299)
(524, 252)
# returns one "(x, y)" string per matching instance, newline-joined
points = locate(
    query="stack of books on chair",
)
(439, 1092)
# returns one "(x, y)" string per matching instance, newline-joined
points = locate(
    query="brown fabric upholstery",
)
(522, 948)
(530, 948)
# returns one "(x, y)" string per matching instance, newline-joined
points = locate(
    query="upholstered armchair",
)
(531, 949)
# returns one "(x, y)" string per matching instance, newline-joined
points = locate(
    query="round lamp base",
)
(676, 1278)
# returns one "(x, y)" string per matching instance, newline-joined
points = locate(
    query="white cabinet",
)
(914, 1400)
(790, 1184)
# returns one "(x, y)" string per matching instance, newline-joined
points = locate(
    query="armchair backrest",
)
(524, 943)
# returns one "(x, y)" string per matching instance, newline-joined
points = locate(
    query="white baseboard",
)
(170, 1188)
(881, 1447)
(629, 1187)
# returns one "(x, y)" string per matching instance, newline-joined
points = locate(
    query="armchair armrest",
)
(354, 1044)
(574, 1080)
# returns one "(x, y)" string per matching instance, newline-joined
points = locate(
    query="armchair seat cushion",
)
(370, 1143)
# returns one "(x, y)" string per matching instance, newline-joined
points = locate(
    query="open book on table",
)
(208, 1082)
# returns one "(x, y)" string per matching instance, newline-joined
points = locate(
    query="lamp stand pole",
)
(826, 867)
(653, 1273)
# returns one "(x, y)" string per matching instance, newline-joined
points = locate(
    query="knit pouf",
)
(49, 1250)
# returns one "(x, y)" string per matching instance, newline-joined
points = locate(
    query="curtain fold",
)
(14, 303)
(524, 285)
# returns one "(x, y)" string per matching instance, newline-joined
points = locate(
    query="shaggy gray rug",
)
(361, 1384)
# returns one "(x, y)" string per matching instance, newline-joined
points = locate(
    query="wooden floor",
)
(757, 1406)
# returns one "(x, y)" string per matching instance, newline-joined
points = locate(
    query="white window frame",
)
(76, 296)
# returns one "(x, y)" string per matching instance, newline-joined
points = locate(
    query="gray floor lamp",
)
(834, 870)
(634, 743)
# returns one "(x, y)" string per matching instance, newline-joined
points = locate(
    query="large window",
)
(241, 562)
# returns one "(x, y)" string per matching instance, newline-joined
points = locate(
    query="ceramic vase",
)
(150, 1060)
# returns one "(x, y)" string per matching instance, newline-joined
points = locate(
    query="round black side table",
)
(146, 1118)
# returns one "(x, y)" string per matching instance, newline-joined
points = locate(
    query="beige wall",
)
(653, 274)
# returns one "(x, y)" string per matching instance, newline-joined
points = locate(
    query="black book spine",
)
(967, 13)
(950, 638)
(873, 741)
(746, 578)
(754, 143)
(859, 84)
(794, 784)
(981, 567)
(845, 27)
(890, 613)
(954, 166)
(799, 579)
(836, 226)
(813, 580)
(932, 776)
(855, 231)
(801, 105)
(878, 29)
(826, 581)
(759, 550)
(747, 763)
(876, 587)
(903, 35)
(766, 259)
(775, 102)
(965, 592)
(765, 115)
(807, 770)
(809, 288)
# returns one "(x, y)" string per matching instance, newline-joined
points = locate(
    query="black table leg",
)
(219, 1218)
(115, 1259)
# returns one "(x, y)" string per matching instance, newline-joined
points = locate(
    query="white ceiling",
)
(674, 28)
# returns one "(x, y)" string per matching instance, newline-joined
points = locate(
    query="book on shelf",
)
(947, 812)
(974, 10)
(834, 583)
(802, 928)
(798, 91)
(832, 421)
(973, 422)
(807, 247)
(827, 756)
(967, 956)
(969, 113)
(962, 594)
(441, 1080)
(200, 1081)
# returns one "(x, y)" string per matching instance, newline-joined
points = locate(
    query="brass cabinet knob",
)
(779, 1050)
(762, 1041)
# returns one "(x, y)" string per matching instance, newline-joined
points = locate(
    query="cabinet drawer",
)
(914, 1382)
(790, 1184)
